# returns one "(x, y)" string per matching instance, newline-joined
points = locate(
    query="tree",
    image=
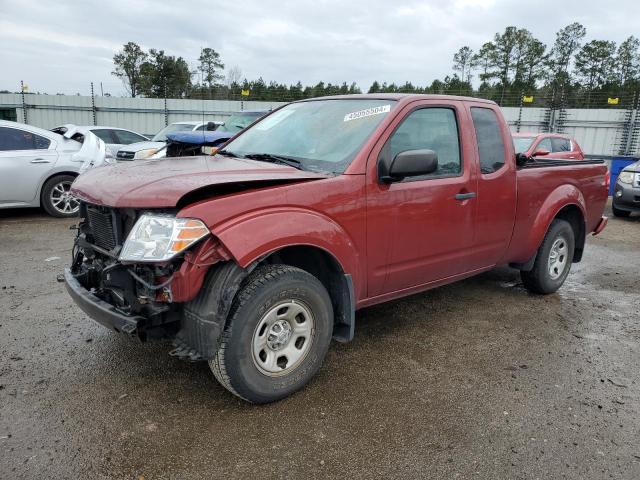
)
(164, 75)
(595, 63)
(484, 59)
(568, 42)
(210, 66)
(375, 87)
(127, 65)
(504, 54)
(463, 62)
(628, 61)
(234, 74)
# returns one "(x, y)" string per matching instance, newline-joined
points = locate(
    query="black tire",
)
(235, 364)
(620, 213)
(540, 279)
(63, 181)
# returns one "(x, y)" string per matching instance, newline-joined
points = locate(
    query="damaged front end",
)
(137, 273)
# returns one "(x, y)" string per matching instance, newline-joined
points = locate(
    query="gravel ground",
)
(479, 379)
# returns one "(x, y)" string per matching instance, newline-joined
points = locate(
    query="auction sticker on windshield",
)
(367, 112)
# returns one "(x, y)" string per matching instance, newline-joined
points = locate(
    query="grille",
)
(637, 180)
(102, 228)
(125, 155)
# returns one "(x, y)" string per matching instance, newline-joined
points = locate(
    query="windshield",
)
(522, 144)
(322, 135)
(161, 136)
(237, 122)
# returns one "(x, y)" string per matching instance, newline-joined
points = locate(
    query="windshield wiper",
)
(269, 157)
(227, 153)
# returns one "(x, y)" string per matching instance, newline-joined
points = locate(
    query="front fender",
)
(561, 197)
(259, 233)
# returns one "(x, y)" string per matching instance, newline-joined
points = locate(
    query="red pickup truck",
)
(255, 258)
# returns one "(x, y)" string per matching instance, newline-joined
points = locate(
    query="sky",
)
(61, 46)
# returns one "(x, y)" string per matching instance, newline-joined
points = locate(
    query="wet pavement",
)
(479, 379)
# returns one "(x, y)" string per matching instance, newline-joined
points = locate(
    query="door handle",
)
(465, 196)
(40, 160)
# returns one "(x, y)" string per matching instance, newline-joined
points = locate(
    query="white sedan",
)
(37, 166)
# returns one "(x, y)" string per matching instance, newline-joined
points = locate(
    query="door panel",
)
(25, 158)
(417, 231)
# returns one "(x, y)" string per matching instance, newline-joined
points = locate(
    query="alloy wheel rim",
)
(558, 258)
(283, 338)
(61, 198)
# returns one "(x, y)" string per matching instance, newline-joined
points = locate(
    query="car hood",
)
(634, 167)
(136, 147)
(162, 183)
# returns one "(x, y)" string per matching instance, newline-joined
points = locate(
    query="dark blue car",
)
(190, 143)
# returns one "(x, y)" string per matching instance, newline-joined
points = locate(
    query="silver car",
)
(626, 196)
(37, 167)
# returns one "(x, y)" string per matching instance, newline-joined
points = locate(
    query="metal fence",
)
(601, 132)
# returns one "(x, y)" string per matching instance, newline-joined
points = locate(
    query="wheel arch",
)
(327, 269)
(49, 177)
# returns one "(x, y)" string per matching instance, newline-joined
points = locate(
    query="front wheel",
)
(553, 260)
(277, 336)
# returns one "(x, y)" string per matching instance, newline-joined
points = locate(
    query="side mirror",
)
(541, 153)
(411, 163)
(522, 159)
(211, 126)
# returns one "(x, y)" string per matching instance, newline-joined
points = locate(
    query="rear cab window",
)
(560, 145)
(489, 138)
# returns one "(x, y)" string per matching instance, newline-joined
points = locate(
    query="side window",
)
(430, 129)
(127, 138)
(201, 128)
(105, 135)
(41, 143)
(560, 145)
(545, 144)
(14, 139)
(490, 141)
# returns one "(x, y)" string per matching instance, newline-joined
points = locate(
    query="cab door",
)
(421, 229)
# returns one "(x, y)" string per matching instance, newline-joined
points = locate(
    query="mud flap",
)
(345, 311)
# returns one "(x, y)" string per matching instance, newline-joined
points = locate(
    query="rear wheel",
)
(56, 197)
(277, 336)
(620, 213)
(553, 260)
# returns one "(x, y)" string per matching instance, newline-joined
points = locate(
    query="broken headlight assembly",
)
(158, 238)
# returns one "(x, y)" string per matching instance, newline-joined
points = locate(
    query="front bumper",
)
(99, 310)
(626, 197)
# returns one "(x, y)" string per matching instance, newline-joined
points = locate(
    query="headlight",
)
(625, 177)
(157, 238)
(146, 153)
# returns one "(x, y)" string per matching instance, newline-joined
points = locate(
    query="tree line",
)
(514, 63)
(155, 74)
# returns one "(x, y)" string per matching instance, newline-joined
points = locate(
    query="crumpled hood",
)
(162, 183)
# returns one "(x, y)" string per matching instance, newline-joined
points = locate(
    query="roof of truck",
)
(399, 97)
